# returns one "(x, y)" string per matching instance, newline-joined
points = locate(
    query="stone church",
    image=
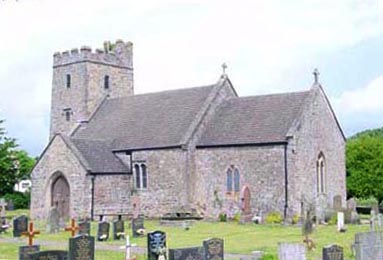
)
(203, 149)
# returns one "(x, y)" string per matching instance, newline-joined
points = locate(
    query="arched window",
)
(140, 176)
(236, 180)
(137, 176)
(144, 176)
(106, 82)
(321, 173)
(229, 180)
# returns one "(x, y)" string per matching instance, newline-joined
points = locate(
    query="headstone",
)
(25, 250)
(156, 245)
(380, 221)
(84, 228)
(3, 204)
(53, 224)
(137, 224)
(136, 204)
(20, 224)
(246, 214)
(50, 254)
(372, 220)
(214, 249)
(351, 204)
(288, 251)
(321, 206)
(10, 205)
(337, 202)
(368, 246)
(190, 253)
(340, 221)
(375, 207)
(103, 231)
(118, 230)
(81, 248)
(332, 252)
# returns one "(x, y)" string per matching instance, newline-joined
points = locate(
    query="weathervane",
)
(316, 75)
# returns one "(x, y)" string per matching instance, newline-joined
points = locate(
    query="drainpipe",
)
(286, 184)
(92, 178)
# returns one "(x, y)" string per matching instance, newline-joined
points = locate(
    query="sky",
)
(269, 46)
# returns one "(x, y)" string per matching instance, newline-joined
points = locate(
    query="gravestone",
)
(10, 205)
(25, 250)
(81, 248)
(213, 249)
(50, 254)
(103, 231)
(380, 221)
(340, 221)
(84, 228)
(53, 223)
(246, 214)
(3, 204)
(321, 206)
(118, 230)
(20, 225)
(288, 251)
(351, 204)
(137, 224)
(368, 246)
(156, 245)
(332, 252)
(190, 253)
(372, 220)
(337, 203)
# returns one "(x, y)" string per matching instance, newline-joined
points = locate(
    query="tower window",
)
(68, 114)
(106, 82)
(68, 80)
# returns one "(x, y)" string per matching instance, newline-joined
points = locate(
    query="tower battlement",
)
(118, 54)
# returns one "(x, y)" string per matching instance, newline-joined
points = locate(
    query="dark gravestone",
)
(137, 224)
(103, 231)
(156, 245)
(368, 246)
(81, 248)
(332, 252)
(213, 249)
(10, 206)
(118, 230)
(48, 255)
(20, 224)
(84, 228)
(337, 203)
(25, 250)
(190, 253)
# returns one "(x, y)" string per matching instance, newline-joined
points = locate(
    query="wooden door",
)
(61, 197)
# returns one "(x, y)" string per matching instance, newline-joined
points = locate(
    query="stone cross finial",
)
(72, 228)
(224, 67)
(30, 234)
(316, 75)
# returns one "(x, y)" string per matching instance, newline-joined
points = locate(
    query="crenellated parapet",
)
(118, 54)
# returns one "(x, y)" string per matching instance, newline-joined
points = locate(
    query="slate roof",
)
(252, 120)
(146, 121)
(99, 156)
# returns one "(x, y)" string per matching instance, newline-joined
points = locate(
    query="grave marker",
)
(337, 202)
(288, 251)
(49, 254)
(156, 245)
(137, 224)
(53, 223)
(103, 231)
(72, 228)
(368, 246)
(25, 250)
(340, 222)
(20, 225)
(332, 252)
(30, 234)
(214, 249)
(81, 248)
(84, 228)
(190, 253)
(118, 230)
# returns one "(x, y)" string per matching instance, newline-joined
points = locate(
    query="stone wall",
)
(314, 132)
(261, 169)
(60, 160)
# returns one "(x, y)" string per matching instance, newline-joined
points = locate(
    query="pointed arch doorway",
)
(61, 196)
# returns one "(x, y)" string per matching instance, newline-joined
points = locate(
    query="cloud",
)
(176, 44)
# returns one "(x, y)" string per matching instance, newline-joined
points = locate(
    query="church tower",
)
(82, 79)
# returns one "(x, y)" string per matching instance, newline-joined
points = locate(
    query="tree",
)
(364, 164)
(15, 165)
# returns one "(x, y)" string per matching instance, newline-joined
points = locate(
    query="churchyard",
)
(239, 240)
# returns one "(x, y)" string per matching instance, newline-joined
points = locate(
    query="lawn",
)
(239, 239)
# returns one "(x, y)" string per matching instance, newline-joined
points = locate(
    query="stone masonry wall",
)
(261, 169)
(316, 131)
(59, 160)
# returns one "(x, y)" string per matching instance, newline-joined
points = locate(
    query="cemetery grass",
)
(238, 239)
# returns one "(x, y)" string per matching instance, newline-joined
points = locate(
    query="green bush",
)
(295, 219)
(222, 217)
(269, 257)
(237, 217)
(367, 202)
(274, 218)
(20, 200)
(333, 220)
